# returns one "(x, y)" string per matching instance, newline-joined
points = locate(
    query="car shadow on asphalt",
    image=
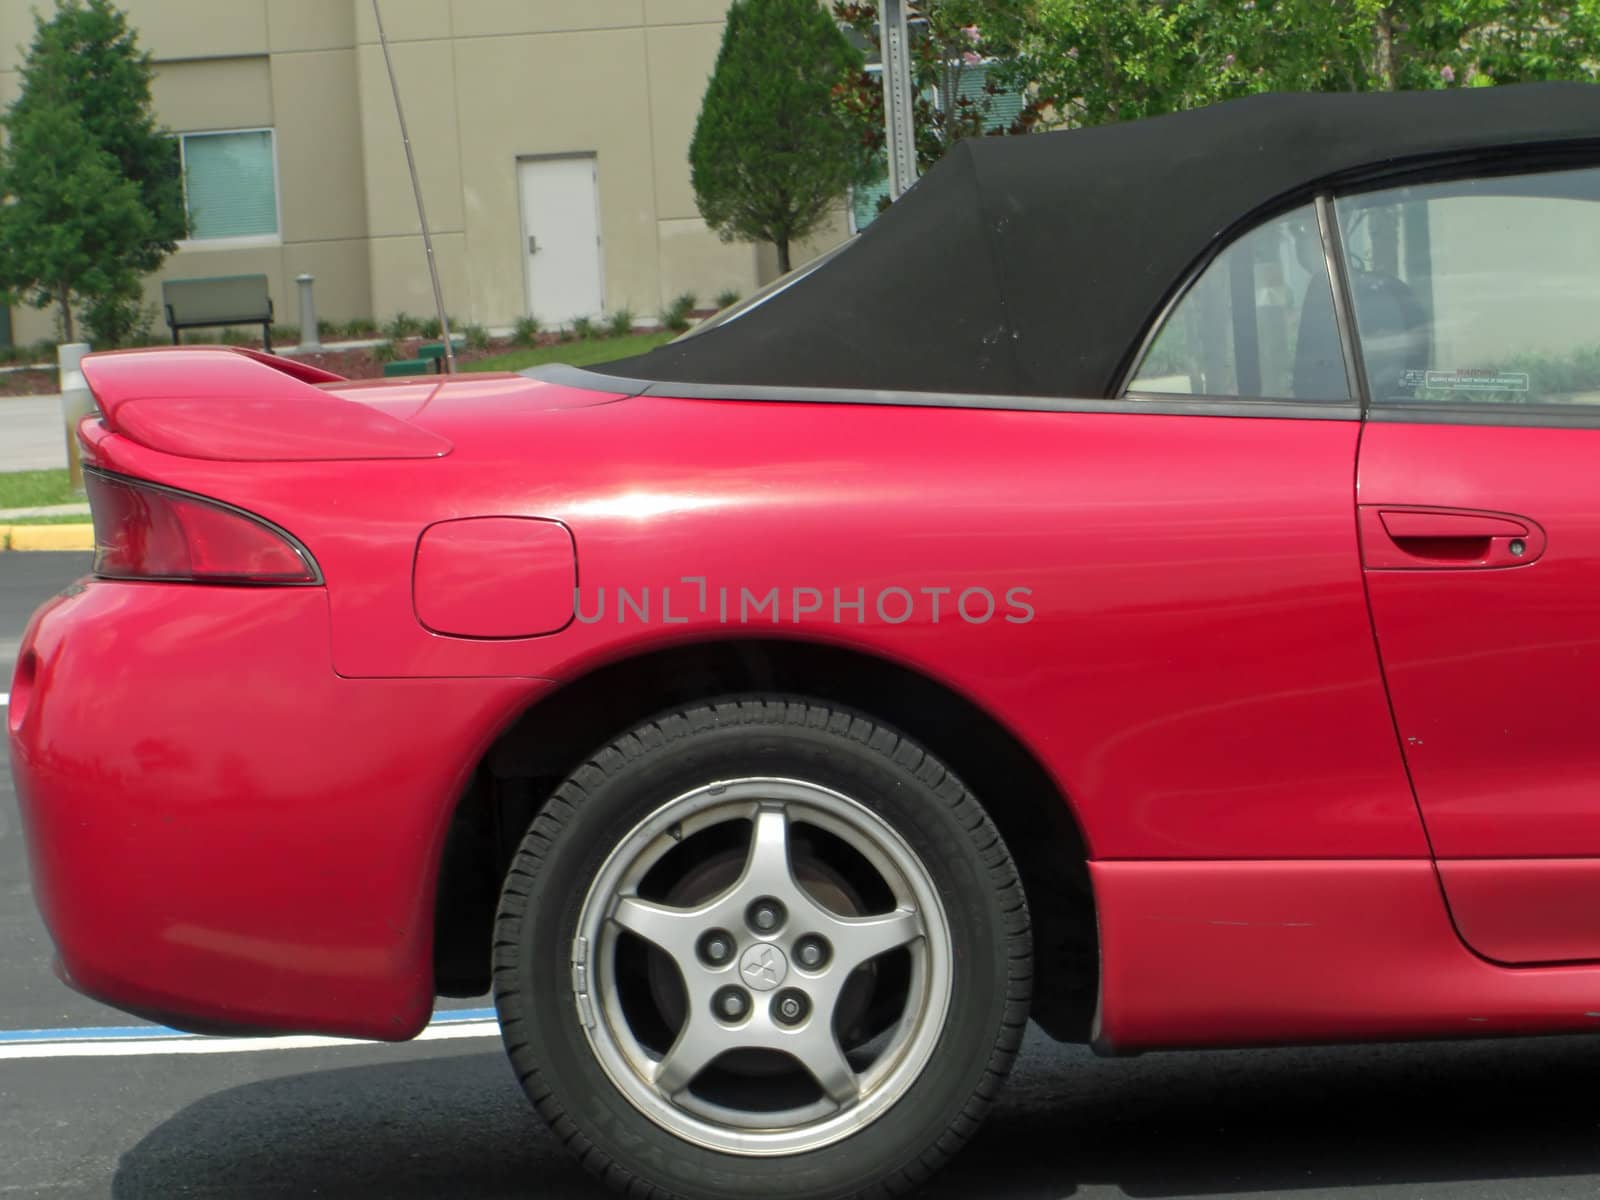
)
(1223, 1123)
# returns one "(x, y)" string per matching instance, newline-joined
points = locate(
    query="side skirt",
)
(1260, 953)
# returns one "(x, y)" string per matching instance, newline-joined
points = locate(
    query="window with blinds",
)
(229, 184)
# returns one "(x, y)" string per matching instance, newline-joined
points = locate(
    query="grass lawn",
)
(64, 519)
(36, 489)
(579, 354)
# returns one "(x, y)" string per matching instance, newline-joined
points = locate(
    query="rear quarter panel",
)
(1197, 672)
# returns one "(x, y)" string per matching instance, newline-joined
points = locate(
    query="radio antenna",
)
(416, 188)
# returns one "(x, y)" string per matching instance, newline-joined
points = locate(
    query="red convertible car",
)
(1146, 582)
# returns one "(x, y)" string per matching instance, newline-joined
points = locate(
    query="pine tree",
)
(772, 151)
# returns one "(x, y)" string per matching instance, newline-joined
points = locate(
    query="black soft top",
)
(1032, 266)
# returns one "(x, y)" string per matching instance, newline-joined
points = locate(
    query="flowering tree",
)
(1115, 59)
(1439, 43)
(1089, 62)
(952, 40)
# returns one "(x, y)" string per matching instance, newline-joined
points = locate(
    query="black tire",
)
(927, 806)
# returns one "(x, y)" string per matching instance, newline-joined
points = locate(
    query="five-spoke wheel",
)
(734, 949)
(762, 947)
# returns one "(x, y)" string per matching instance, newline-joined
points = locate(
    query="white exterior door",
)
(561, 238)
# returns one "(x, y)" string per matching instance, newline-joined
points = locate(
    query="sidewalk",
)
(48, 510)
(32, 437)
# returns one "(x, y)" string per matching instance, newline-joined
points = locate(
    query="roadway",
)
(1511, 1120)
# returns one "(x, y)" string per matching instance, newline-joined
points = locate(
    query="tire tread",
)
(661, 735)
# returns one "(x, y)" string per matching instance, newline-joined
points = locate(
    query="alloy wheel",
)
(762, 966)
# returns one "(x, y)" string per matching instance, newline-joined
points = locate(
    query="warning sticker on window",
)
(1468, 379)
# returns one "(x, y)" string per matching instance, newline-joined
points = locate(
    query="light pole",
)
(899, 124)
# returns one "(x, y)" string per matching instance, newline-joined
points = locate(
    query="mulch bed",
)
(356, 363)
(29, 383)
(361, 364)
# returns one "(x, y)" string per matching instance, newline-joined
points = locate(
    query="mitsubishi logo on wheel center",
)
(763, 966)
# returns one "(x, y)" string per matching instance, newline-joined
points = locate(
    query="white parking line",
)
(126, 1043)
(5, 699)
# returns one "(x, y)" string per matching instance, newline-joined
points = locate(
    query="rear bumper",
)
(225, 834)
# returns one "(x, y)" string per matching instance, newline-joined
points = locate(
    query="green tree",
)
(1119, 60)
(951, 39)
(1437, 43)
(1108, 60)
(771, 150)
(92, 181)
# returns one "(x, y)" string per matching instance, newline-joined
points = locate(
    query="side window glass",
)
(1258, 323)
(1479, 291)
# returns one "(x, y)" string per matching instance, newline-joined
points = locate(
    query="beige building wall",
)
(486, 84)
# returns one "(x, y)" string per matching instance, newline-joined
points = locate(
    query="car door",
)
(1267, 733)
(1477, 307)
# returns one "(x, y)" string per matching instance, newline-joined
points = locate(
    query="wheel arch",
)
(552, 736)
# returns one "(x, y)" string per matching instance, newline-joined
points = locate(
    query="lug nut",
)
(765, 915)
(716, 948)
(811, 953)
(731, 1004)
(790, 1007)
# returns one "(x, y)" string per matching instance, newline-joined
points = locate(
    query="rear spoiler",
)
(232, 404)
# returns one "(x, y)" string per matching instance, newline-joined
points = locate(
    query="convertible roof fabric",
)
(1033, 265)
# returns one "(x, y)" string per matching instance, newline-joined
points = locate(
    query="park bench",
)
(430, 357)
(220, 300)
(407, 366)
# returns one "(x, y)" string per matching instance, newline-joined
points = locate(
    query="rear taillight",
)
(144, 531)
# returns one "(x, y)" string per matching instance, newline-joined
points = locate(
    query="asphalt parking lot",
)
(445, 1118)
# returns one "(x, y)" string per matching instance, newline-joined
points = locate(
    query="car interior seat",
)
(1395, 338)
(1395, 335)
(1318, 356)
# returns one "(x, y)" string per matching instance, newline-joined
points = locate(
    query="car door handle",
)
(1410, 538)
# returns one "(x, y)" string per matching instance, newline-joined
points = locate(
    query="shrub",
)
(42, 351)
(119, 319)
(727, 298)
(282, 335)
(526, 332)
(585, 328)
(386, 352)
(402, 325)
(360, 327)
(677, 314)
(236, 337)
(432, 329)
(477, 337)
(620, 323)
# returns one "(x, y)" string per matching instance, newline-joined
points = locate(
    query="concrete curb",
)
(46, 537)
